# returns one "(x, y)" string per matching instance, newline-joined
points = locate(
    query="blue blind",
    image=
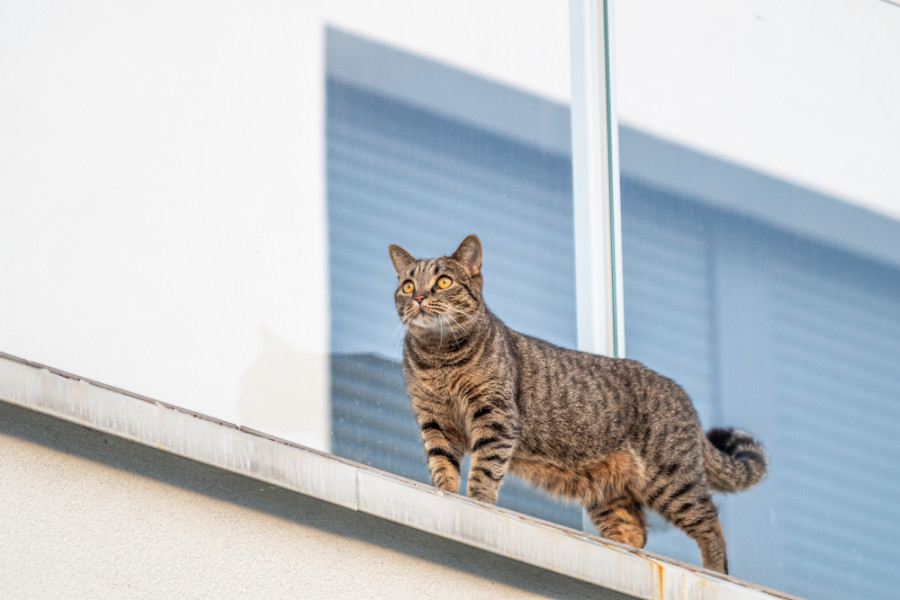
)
(669, 296)
(667, 262)
(798, 342)
(836, 386)
(401, 174)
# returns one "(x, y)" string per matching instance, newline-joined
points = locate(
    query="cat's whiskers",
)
(401, 329)
(473, 317)
(466, 331)
(397, 328)
(456, 339)
(391, 335)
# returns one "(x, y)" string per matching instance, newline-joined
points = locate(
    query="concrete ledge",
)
(208, 440)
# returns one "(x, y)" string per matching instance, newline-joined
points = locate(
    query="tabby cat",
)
(607, 432)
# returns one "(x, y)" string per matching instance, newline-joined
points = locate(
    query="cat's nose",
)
(420, 298)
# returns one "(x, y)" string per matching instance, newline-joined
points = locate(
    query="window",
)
(198, 210)
(761, 273)
(400, 171)
(795, 340)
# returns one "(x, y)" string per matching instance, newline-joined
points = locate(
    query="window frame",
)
(595, 179)
(323, 475)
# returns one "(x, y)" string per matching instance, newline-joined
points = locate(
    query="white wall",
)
(805, 90)
(88, 515)
(162, 223)
(162, 193)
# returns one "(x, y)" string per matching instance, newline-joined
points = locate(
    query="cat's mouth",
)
(425, 319)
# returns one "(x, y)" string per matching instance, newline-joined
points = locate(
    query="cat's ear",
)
(401, 258)
(469, 254)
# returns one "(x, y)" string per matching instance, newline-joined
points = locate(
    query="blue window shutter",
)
(669, 326)
(836, 385)
(400, 174)
(799, 343)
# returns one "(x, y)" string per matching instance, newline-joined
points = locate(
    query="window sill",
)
(359, 487)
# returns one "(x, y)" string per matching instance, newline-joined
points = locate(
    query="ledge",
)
(359, 487)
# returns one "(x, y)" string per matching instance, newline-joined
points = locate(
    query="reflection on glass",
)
(403, 171)
(774, 319)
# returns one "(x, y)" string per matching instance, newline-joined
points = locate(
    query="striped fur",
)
(606, 432)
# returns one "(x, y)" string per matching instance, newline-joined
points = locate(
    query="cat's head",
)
(440, 295)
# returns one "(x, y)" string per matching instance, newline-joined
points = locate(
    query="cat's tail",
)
(733, 459)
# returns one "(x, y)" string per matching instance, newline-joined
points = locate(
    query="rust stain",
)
(657, 571)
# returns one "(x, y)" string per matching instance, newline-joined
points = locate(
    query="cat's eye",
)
(408, 287)
(444, 282)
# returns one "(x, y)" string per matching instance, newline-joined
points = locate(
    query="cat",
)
(607, 432)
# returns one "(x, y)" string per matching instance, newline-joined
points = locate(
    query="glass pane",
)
(761, 254)
(418, 154)
(197, 200)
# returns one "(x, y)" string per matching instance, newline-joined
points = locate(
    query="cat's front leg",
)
(494, 432)
(443, 452)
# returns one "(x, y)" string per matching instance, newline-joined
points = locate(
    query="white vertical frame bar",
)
(595, 178)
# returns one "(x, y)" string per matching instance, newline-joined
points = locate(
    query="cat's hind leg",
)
(687, 504)
(619, 518)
